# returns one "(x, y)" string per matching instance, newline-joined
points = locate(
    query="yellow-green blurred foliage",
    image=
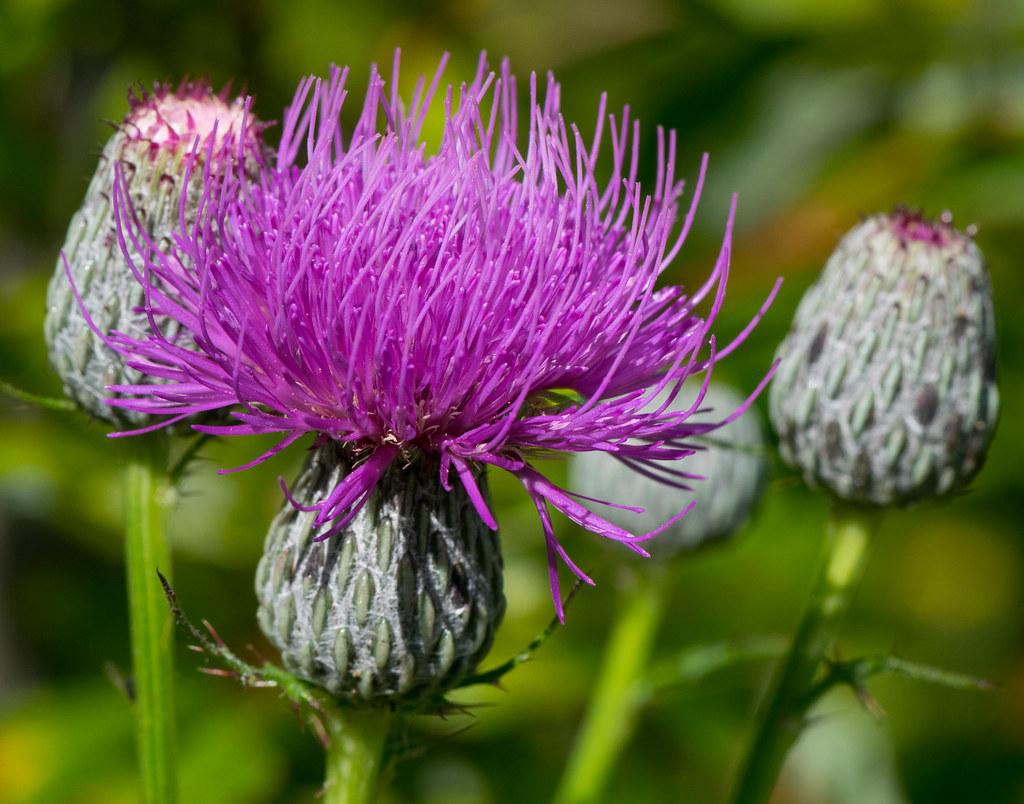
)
(814, 112)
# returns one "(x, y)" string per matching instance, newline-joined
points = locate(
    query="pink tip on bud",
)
(174, 119)
(912, 224)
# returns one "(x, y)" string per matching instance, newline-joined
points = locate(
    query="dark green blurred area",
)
(814, 112)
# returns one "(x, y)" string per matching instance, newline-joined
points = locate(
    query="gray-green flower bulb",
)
(397, 607)
(731, 463)
(152, 146)
(886, 393)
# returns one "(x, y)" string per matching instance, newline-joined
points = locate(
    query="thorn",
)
(196, 648)
(464, 709)
(252, 649)
(172, 598)
(314, 704)
(219, 672)
(321, 731)
(213, 632)
(460, 731)
(869, 702)
(122, 681)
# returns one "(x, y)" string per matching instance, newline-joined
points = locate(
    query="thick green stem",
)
(849, 536)
(609, 718)
(152, 627)
(355, 755)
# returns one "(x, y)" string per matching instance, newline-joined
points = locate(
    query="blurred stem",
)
(355, 754)
(696, 662)
(848, 538)
(152, 633)
(50, 403)
(609, 718)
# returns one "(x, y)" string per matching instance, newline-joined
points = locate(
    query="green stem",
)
(152, 627)
(696, 662)
(609, 718)
(355, 755)
(849, 536)
(48, 402)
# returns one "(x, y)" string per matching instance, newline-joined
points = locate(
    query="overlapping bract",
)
(481, 303)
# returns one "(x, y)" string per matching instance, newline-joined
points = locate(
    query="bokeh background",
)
(815, 112)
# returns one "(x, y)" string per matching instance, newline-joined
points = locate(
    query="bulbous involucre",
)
(733, 469)
(152, 147)
(399, 605)
(885, 393)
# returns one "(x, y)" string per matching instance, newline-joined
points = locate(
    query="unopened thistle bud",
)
(726, 477)
(398, 606)
(152, 146)
(886, 389)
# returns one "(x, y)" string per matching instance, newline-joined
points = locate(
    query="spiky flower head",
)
(151, 148)
(886, 391)
(726, 479)
(401, 604)
(478, 304)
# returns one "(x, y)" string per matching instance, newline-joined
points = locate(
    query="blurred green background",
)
(815, 112)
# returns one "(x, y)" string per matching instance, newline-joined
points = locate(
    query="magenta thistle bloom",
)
(484, 303)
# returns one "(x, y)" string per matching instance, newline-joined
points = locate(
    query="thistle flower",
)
(475, 306)
(150, 148)
(886, 388)
(725, 478)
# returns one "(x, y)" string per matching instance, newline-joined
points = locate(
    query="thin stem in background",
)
(849, 537)
(152, 628)
(59, 404)
(695, 663)
(608, 721)
(355, 754)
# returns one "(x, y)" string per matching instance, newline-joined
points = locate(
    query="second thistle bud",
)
(150, 148)
(886, 392)
(400, 605)
(729, 478)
